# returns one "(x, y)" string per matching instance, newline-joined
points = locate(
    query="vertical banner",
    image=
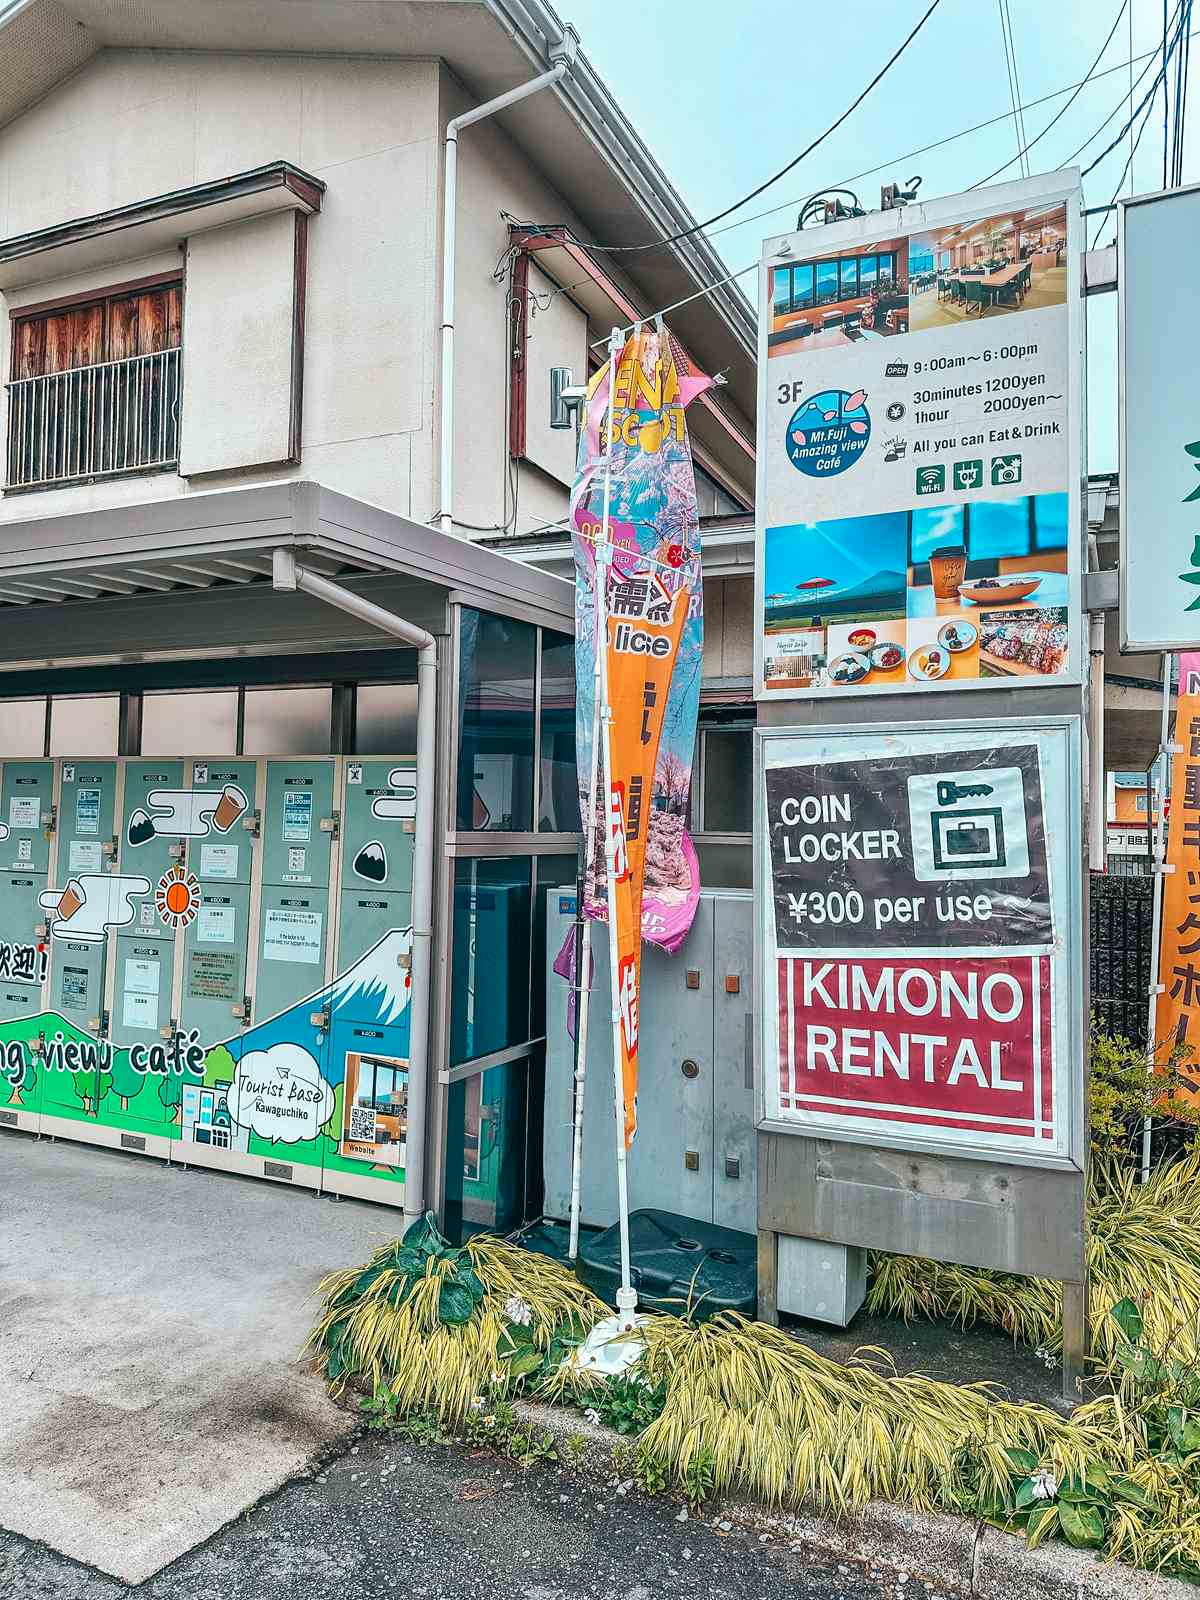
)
(918, 508)
(1177, 1010)
(654, 643)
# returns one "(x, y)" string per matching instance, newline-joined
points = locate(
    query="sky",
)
(725, 95)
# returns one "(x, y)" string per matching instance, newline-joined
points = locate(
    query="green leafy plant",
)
(628, 1403)
(698, 1476)
(571, 1449)
(497, 1427)
(649, 1472)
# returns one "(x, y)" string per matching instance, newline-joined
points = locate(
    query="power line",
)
(1159, 77)
(700, 227)
(1012, 50)
(1066, 106)
(1012, 88)
(1147, 59)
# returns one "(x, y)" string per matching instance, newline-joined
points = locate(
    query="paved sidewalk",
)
(150, 1320)
(438, 1523)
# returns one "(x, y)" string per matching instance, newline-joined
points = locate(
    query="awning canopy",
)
(190, 575)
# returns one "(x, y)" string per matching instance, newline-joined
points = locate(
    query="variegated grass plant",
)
(1143, 1245)
(389, 1323)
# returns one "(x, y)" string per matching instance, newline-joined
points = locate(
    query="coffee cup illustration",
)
(73, 896)
(229, 808)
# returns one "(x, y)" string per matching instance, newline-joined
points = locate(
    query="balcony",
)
(94, 422)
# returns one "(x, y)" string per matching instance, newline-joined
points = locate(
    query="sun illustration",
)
(177, 897)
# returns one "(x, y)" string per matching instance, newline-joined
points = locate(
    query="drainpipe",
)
(290, 575)
(563, 56)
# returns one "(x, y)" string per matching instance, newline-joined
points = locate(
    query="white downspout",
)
(288, 574)
(563, 57)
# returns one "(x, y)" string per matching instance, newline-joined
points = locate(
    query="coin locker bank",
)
(211, 804)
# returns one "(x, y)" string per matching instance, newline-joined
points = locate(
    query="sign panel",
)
(917, 962)
(1160, 439)
(919, 517)
(1177, 1008)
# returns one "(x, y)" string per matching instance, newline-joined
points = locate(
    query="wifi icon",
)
(931, 480)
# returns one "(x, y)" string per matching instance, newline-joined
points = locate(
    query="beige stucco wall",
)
(135, 124)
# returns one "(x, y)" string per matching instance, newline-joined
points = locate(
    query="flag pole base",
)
(626, 1308)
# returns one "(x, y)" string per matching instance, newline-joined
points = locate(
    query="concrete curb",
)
(952, 1552)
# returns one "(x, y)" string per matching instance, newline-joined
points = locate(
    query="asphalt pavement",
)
(440, 1522)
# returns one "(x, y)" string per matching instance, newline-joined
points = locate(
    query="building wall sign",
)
(1160, 429)
(917, 966)
(920, 448)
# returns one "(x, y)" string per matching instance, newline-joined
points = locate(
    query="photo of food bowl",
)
(957, 636)
(849, 668)
(1001, 590)
(862, 638)
(929, 663)
(886, 657)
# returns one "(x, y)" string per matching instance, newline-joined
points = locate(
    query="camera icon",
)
(1006, 469)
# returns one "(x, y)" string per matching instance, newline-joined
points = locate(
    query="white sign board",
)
(920, 448)
(919, 892)
(1160, 428)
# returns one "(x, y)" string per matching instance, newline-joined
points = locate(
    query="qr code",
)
(362, 1124)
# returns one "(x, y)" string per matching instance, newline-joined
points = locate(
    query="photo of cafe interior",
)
(1013, 262)
(839, 299)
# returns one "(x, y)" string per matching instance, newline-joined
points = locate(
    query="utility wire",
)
(1148, 59)
(1012, 50)
(1065, 107)
(700, 227)
(1012, 88)
(1159, 77)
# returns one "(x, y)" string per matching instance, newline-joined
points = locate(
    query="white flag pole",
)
(626, 1294)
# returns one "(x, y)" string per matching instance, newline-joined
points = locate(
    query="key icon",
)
(948, 791)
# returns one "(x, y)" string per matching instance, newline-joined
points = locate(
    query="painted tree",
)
(126, 1084)
(90, 1088)
(20, 1076)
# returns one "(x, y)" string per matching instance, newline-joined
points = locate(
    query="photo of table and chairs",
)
(1014, 262)
(836, 300)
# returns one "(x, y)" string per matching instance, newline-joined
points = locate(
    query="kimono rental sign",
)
(917, 977)
(653, 638)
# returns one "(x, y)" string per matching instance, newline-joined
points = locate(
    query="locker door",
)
(152, 830)
(294, 932)
(735, 1192)
(216, 943)
(22, 959)
(26, 809)
(76, 1006)
(86, 818)
(378, 821)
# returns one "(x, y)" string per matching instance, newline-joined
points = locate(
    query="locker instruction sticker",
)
(87, 811)
(297, 816)
(218, 860)
(141, 976)
(25, 811)
(84, 855)
(292, 936)
(215, 924)
(213, 975)
(140, 1010)
(74, 987)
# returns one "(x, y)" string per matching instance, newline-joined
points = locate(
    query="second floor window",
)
(95, 386)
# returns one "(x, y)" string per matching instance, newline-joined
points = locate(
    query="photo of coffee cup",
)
(947, 568)
(73, 896)
(229, 808)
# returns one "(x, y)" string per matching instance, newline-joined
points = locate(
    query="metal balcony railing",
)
(94, 422)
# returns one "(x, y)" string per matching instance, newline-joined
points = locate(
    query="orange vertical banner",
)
(1177, 1009)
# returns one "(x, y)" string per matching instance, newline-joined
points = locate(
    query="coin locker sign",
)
(916, 961)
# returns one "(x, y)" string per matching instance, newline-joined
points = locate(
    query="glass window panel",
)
(555, 875)
(781, 289)
(999, 528)
(827, 282)
(287, 722)
(728, 780)
(385, 719)
(495, 752)
(558, 802)
(488, 1140)
(868, 269)
(23, 727)
(489, 1008)
(84, 725)
(849, 278)
(802, 287)
(203, 723)
(725, 866)
(1050, 521)
(933, 528)
(887, 268)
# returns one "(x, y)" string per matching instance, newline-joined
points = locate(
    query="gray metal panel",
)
(77, 982)
(278, 982)
(734, 1141)
(364, 916)
(25, 801)
(224, 856)
(86, 816)
(150, 856)
(376, 812)
(824, 1282)
(1013, 1219)
(675, 1112)
(215, 947)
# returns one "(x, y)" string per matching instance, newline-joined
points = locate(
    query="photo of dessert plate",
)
(1002, 590)
(887, 656)
(849, 668)
(957, 636)
(929, 663)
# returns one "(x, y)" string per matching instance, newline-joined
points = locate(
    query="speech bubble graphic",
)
(280, 1094)
(92, 903)
(402, 805)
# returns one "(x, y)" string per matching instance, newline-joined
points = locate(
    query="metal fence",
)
(1121, 927)
(95, 422)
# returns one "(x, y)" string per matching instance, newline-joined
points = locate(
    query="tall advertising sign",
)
(1177, 1006)
(919, 462)
(918, 969)
(1160, 430)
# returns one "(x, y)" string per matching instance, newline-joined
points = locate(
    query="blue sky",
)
(849, 551)
(725, 95)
